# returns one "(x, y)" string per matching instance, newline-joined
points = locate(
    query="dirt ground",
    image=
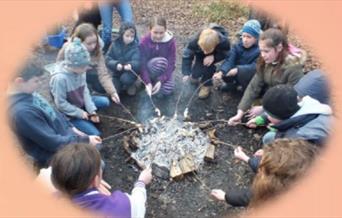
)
(188, 197)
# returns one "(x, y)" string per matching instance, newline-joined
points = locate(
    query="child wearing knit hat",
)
(70, 92)
(240, 66)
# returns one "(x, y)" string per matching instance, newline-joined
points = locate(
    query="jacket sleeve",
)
(295, 73)
(239, 198)
(104, 76)
(111, 58)
(33, 125)
(138, 199)
(135, 60)
(144, 59)
(58, 90)
(171, 63)
(188, 57)
(89, 104)
(252, 92)
(229, 61)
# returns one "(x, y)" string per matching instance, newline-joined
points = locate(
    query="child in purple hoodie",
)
(76, 172)
(158, 58)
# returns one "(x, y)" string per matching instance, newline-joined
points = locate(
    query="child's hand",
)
(156, 88)
(218, 75)
(104, 188)
(259, 152)
(240, 154)
(251, 123)
(128, 67)
(149, 89)
(232, 72)
(94, 118)
(94, 140)
(119, 67)
(185, 78)
(85, 115)
(236, 119)
(115, 98)
(208, 60)
(146, 176)
(218, 194)
(255, 111)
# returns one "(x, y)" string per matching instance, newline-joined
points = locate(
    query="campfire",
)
(173, 145)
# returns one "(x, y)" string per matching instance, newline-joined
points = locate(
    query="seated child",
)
(70, 91)
(41, 130)
(282, 163)
(122, 57)
(76, 172)
(240, 66)
(307, 119)
(158, 58)
(208, 47)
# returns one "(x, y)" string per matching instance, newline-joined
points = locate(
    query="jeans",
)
(87, 126)
(106, 10)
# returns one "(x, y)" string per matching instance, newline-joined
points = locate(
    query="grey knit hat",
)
(76, 54)
(252, 27)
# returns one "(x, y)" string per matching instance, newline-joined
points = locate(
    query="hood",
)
(167, 37)
(125, 26)
(19, 97)
(223, 34)
(309, 105)
(295, 56)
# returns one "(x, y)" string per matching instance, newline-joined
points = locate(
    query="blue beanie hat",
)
(252, 27)
(76, 54)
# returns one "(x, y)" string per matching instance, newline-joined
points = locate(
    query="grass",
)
(220, 11)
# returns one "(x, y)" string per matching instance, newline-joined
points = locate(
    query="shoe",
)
(132, 90)
(204, 92)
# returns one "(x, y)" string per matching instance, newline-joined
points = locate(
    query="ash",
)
(164, 140)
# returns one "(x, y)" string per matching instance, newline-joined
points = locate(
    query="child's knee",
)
(157, 66)
(268, 137)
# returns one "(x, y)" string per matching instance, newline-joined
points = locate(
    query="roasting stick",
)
(119, 119)
(117, 134)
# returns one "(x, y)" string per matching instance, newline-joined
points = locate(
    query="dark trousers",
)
(205, 72)
(241, 78)
(123, 80)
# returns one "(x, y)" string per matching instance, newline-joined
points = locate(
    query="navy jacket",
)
(40, 129)
(193, 49)
(119, 53)
(242, 58)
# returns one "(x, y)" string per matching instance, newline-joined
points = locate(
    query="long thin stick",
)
(119, 119)
(154, 106)
(224, 143)
(195, 92)
(129, 112)
(178, 100)
(202, 183)
(120, 133)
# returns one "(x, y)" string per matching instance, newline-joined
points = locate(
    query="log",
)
(175, 171)
(210, 153)
(126, 144)
(187, 164)
(212, 135)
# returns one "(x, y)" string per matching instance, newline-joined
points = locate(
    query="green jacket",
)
(290, 73)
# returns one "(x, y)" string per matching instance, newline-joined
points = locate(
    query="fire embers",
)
(171, 144)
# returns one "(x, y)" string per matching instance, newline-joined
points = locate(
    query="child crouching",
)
(76, 172)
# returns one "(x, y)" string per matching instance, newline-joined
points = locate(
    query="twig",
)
(202, 183)
(224, 143)
(120, 133)
(119, 119)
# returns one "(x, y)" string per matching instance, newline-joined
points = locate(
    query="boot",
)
(204, 92)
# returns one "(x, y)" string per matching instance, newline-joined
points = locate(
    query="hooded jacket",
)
(40, 129)
(70, 92)
(150, 49)
(119, 53)
(193, 49)
(311, 122)
(290, 73)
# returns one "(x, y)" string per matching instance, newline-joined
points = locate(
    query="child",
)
(123, 57)
(98, 77)
(239, 67)
(307, 119)
(283, 162)
(158, 58)
(40, 129)
(76, 172)
(70, 92)
(275, 66)
(208, 47)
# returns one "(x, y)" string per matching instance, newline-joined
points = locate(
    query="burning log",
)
(210, 153)
(187, 164)
(175, 171)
